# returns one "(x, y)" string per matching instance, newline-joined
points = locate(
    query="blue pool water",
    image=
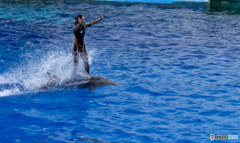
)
(178, 72)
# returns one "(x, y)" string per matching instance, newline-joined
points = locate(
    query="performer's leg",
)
(87, 67)
(75, 59)
(85, 60)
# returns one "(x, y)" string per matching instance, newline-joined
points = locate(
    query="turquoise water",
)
(177, 70)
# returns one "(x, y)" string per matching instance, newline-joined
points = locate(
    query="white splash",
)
(33, 74)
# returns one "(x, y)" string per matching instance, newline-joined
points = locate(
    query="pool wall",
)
(161, 3)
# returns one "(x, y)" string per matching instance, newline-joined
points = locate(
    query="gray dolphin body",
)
(91, 82)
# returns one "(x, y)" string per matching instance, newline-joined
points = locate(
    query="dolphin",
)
(91, 82)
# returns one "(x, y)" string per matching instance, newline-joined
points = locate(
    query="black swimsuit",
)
(80, 34)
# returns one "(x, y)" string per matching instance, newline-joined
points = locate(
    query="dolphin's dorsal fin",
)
(50, 75)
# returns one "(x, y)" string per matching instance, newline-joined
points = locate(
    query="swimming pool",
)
(177, 70)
